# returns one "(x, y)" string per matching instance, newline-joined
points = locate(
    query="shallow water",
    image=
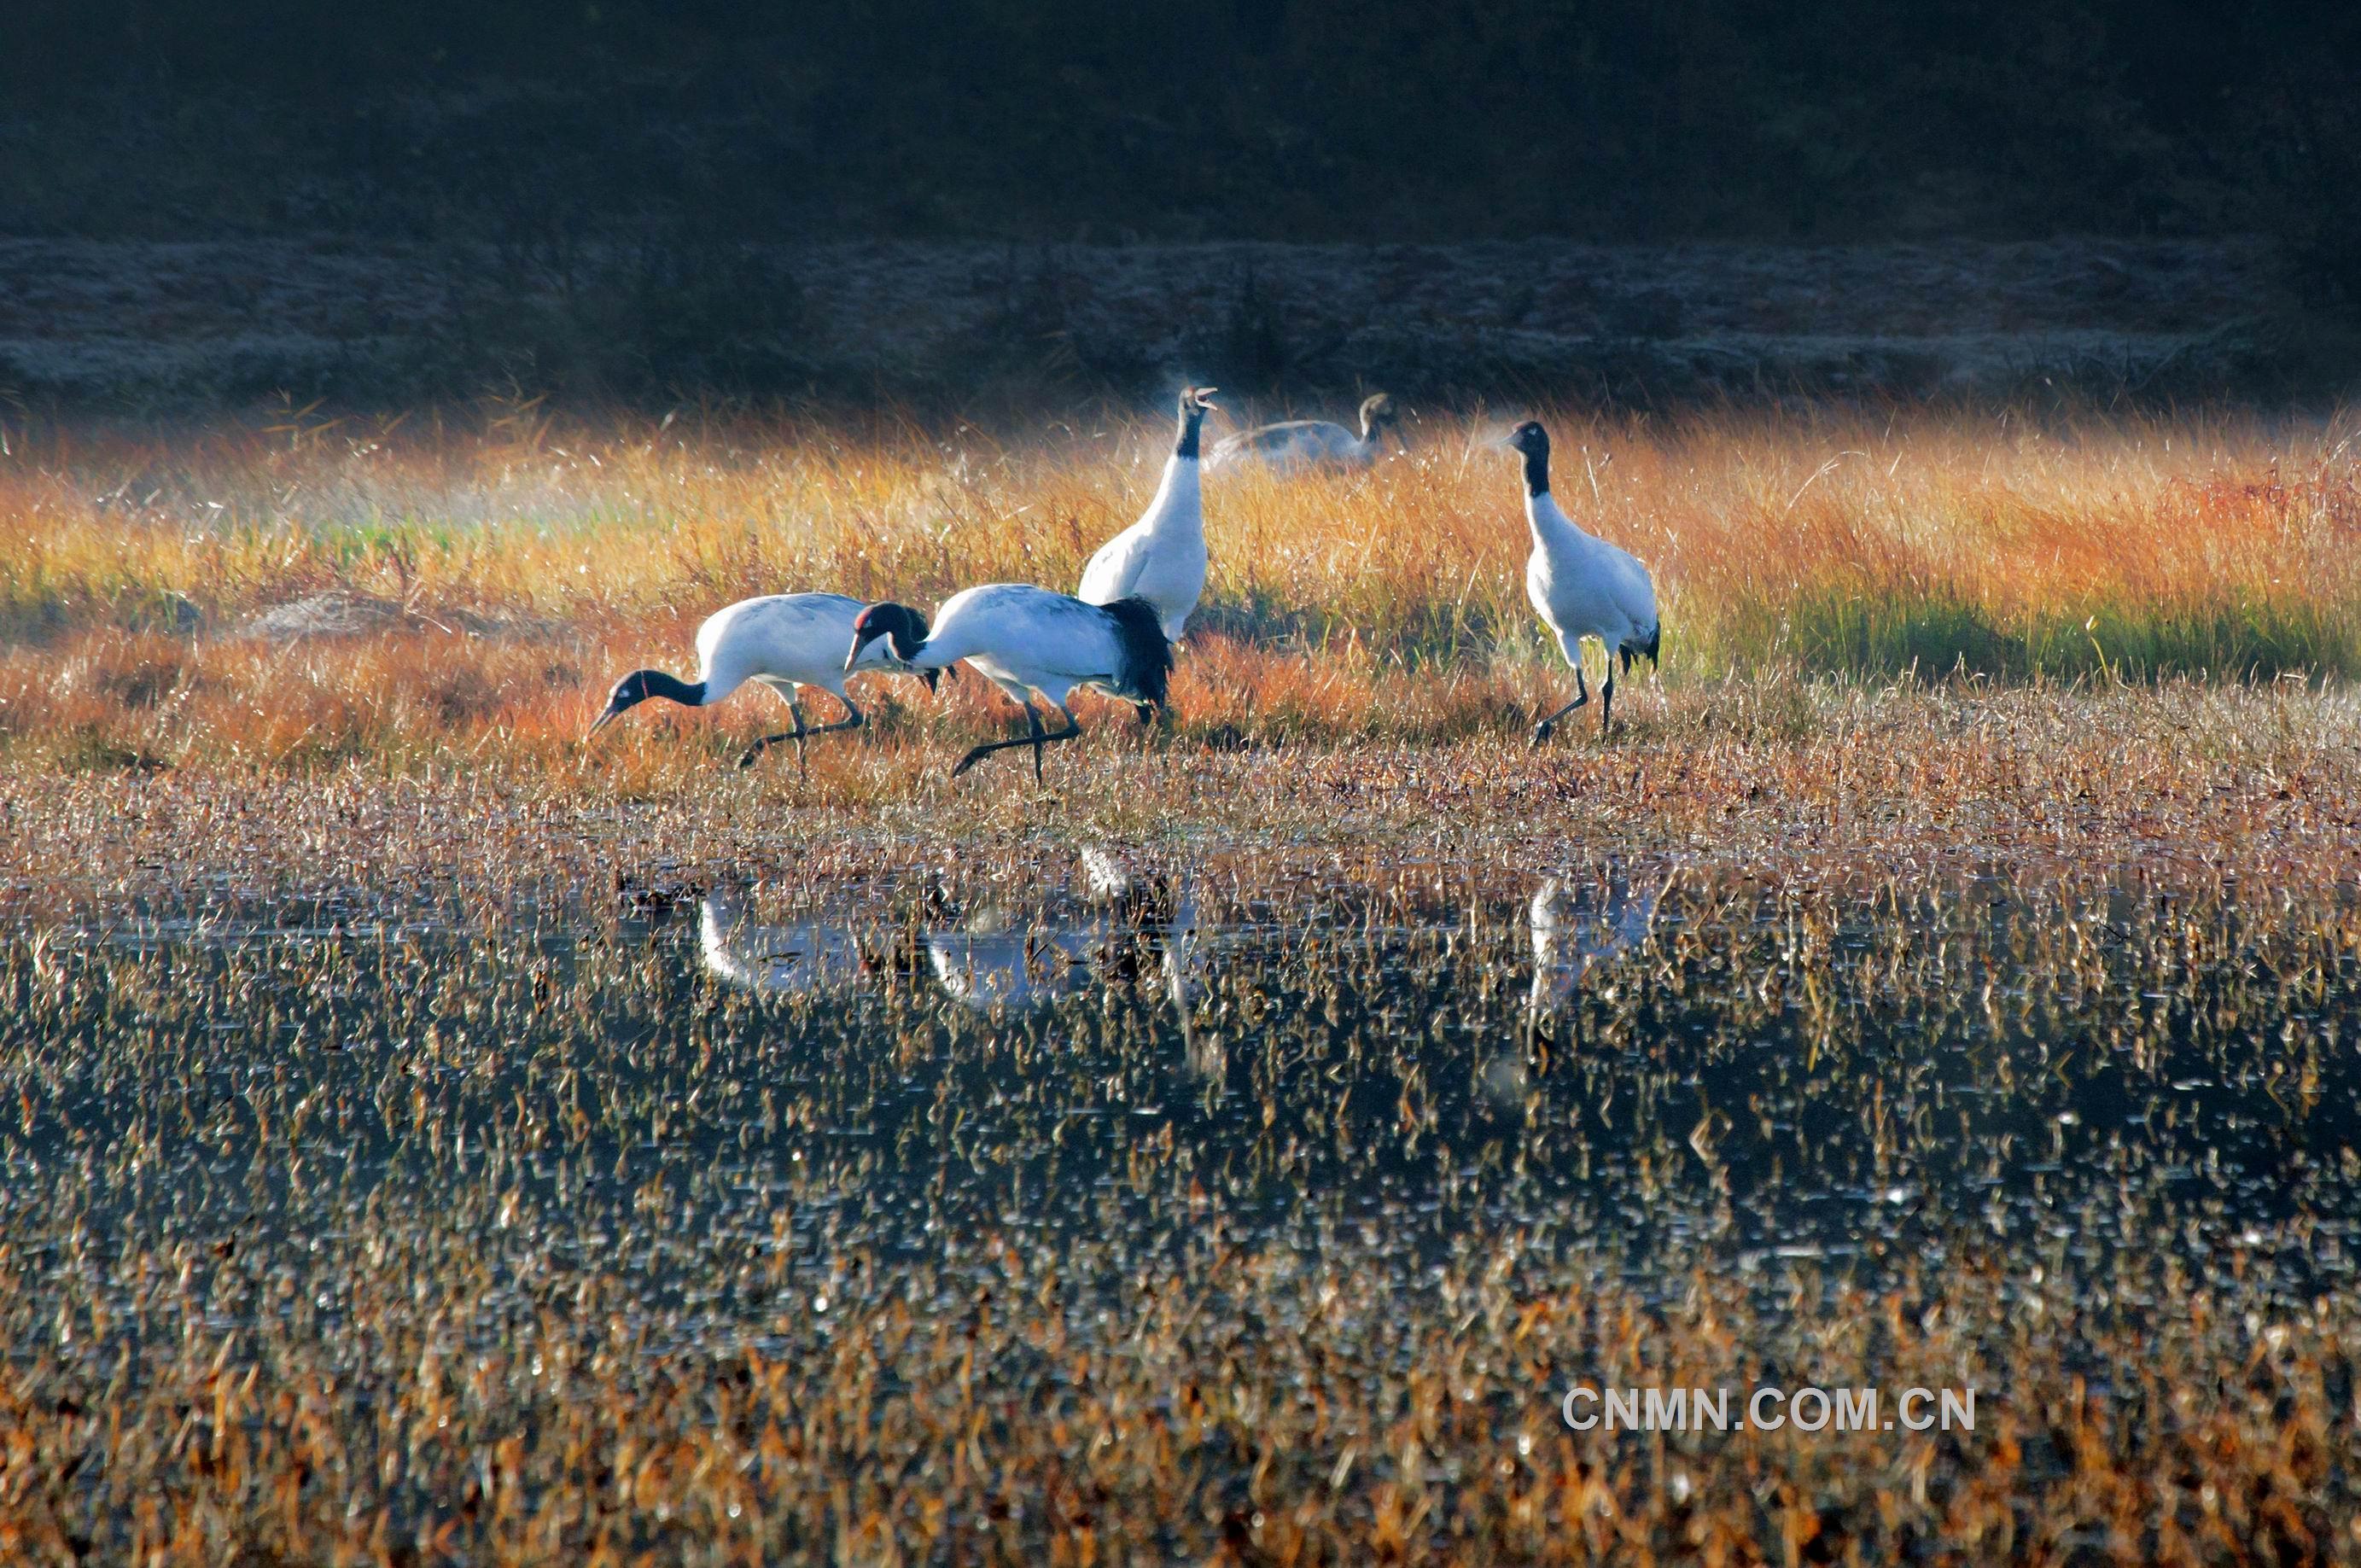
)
(1195, 1199)
(727, 1099)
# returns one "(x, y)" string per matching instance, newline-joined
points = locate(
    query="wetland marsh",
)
(426, 1139)
(1143, 1203)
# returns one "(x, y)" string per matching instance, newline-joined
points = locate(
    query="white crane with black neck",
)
(1162, 557)
(1582, 587)
(784, 641)
(1025, 640)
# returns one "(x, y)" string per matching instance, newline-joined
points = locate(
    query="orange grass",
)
(541, 557)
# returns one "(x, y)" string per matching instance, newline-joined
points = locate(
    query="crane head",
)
(904, 629)
(639, 686)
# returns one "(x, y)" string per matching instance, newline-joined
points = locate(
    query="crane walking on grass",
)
(1025, 640)
(1582, 587)
(1314, 443)
(1161, 558)
(784, 641)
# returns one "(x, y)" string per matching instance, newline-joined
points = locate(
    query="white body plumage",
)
(1162, 557)
(1026, 639)
(784, 641)
(1582, 587)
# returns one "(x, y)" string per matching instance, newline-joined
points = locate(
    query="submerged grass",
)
(396, 1225)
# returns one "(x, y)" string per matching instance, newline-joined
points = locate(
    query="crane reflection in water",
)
(1115, 923)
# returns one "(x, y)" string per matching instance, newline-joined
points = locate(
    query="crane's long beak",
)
(602, 722)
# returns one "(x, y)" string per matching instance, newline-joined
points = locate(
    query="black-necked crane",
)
(1162, 557)
(784, 641)
(1582, 587)
(1026, 639)
(1314, 443)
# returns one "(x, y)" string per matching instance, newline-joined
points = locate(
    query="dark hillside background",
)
(551, 127)
(1301, 119)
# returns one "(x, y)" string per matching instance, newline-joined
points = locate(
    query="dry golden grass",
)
(543, 558)
(1755, 771)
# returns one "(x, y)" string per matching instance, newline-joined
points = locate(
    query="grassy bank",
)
(517, 563)
(1761, 774)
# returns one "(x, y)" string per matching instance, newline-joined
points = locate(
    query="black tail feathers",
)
(1147, 656)
(1631, 650)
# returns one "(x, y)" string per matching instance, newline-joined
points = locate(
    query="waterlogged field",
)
(1149, 1203)
(427, 1138)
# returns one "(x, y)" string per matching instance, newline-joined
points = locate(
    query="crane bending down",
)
(784, 641)
(1582, 587)
(1314, 443)
(1025, 640)
(1162, 557)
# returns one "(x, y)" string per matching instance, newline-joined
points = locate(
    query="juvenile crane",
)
(1025, 640)
(784, 641)
(1314, 443)
(1161, 558)
(1582, 587)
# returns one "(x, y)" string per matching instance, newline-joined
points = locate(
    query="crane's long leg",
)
(1606, 706)
(1034, 736)
(1581, 695)
(746, 760)
(855, 719)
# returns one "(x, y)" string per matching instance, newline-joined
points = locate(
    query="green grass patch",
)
(1884, 634)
